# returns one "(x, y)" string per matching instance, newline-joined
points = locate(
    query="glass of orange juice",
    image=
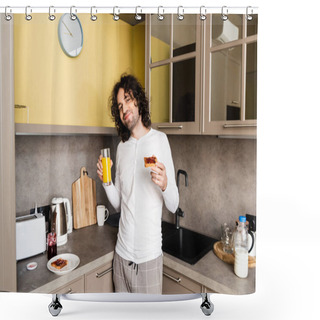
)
(106, 166)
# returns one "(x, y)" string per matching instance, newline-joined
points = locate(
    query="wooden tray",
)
(228, 257)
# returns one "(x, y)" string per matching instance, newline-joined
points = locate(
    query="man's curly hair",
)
(133, 87)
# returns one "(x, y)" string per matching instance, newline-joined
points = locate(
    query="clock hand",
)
(67, 29)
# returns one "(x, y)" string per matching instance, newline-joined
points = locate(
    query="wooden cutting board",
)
(228, 257)
(84, 201)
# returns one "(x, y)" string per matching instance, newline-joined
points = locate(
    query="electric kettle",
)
(61, 219)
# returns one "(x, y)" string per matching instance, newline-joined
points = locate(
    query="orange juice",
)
(106, 165)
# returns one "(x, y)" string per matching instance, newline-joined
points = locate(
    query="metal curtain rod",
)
(130, 10)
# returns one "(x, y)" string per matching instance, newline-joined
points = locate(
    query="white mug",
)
(102, 214)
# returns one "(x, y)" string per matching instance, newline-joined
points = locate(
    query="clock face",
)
(70, 35)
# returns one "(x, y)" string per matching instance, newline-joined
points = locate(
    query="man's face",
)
(128, 109)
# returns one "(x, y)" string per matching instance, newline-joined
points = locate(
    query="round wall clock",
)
(70, 35)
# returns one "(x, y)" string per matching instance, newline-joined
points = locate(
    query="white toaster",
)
(30, 235)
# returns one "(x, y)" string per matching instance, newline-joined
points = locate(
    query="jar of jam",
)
(51, 245)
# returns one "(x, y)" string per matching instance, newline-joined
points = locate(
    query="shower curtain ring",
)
(72, 15)
(28, 16)
(51, 16)
(249, 17)
(116, 15)
(138, 16)
(93, 16)
(224, 13)
(8, 17)
(203, 15)
(180, 15)
(160, 16)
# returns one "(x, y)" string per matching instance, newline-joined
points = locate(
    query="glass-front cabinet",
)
(173, 73)
(230, 106)
(201, 75)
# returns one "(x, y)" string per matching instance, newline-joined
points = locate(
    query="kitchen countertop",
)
(90, 244)
(94, 246)
(214, 274)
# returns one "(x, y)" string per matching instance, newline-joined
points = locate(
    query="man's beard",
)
(131, 125)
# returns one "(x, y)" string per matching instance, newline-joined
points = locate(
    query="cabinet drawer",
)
(169, 286)
(176, 283)
(208, 290)
(76, 286)
(99, 280)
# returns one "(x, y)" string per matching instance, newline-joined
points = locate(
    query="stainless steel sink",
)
(185, 244)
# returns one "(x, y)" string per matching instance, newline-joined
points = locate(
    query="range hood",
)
(226, 32)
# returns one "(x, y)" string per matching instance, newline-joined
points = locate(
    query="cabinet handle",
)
(170, 127)
(238, 125)
(235, 102)
(69, 291)
(103, 273)
(178, 280)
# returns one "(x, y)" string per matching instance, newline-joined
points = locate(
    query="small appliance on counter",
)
(252, 229)
(30, 235)
(61, 219)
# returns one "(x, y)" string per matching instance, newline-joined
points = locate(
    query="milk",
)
(241, 262)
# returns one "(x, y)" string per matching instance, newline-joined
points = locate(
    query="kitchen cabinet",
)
(234, 84)
(230, 90)
(51, 129)
(53, 90)
(201, 76)
(99, 280)
(173, 76)
(208, 290)
(177, 283)
(75, 286)
(8, 278)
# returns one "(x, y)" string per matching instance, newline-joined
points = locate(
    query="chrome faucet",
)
(179, 213)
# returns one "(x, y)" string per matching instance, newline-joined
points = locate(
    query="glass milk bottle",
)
(241, 249)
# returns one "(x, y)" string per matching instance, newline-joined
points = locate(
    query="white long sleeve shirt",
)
(140, 199)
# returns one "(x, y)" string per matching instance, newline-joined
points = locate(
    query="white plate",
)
(73, 262)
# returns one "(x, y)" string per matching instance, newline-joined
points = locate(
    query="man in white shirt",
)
(139, 191)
